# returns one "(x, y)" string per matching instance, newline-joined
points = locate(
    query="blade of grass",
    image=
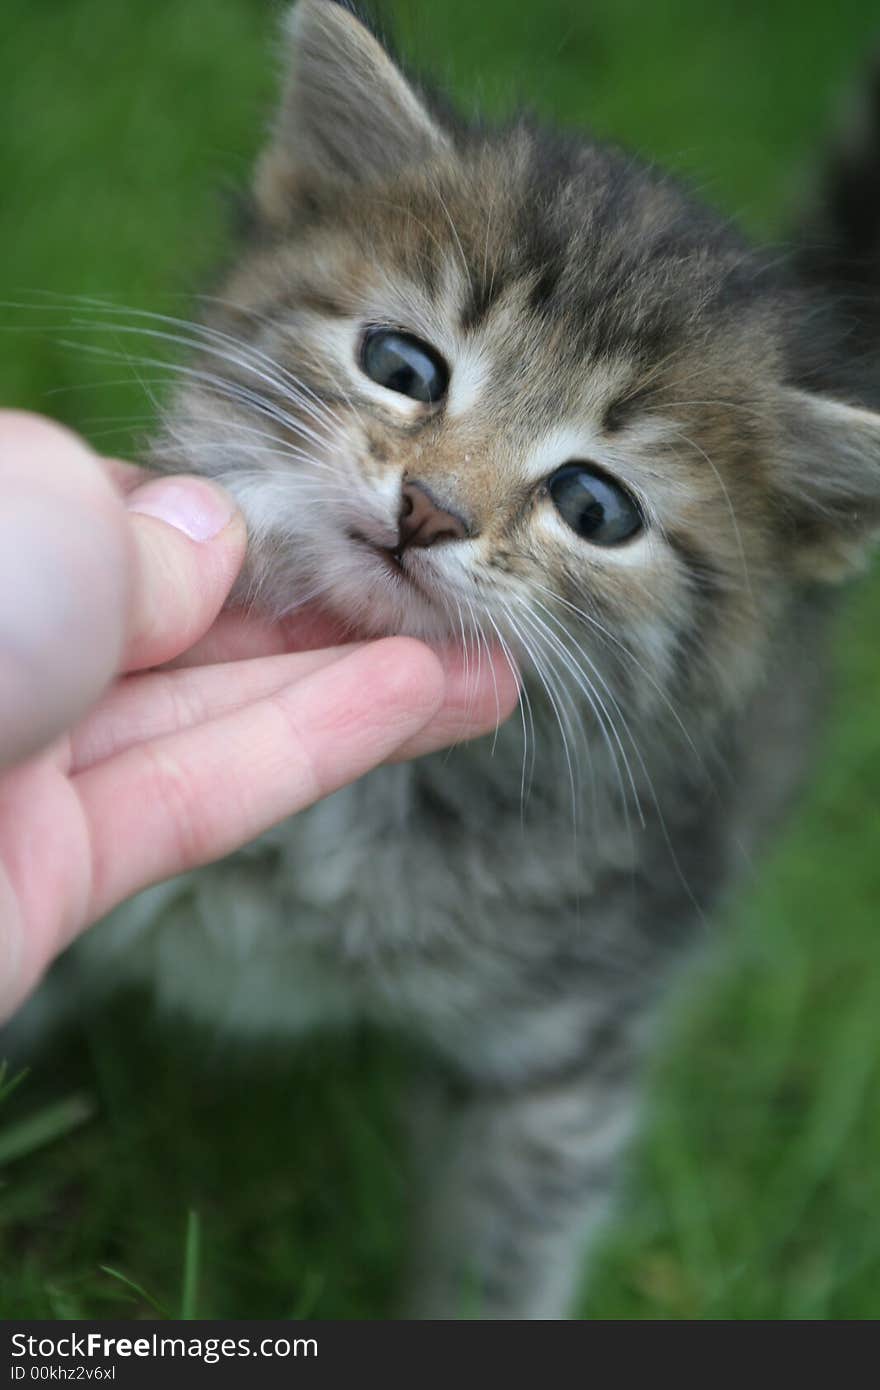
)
(136, 1288)
(45, 1127)
(191, 1264)
(7, 1087)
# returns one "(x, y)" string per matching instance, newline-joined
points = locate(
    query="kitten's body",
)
(411, 899)
(518, 915)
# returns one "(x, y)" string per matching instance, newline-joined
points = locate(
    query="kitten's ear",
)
(831, 482)
(346, 112)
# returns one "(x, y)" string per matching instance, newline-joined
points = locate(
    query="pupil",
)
(592, 516)
(403, 379)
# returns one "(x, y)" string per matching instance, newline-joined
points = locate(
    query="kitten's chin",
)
(371, 591)
(389, 604)
(396, 620)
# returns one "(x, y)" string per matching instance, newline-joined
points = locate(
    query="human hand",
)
(117, 775)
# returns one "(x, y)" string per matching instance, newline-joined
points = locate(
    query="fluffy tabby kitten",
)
(512, 386)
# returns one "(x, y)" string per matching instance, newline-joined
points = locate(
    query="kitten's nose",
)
(423, 522)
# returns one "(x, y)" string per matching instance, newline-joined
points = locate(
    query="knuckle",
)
(314, 779)
(181, 810)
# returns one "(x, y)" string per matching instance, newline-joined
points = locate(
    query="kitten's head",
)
(469, 379)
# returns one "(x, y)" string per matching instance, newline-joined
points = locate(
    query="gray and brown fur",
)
(519, 912)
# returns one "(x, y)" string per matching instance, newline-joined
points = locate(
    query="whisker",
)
(524, 705)
(200, 335)
(221, 387)
(620, 646)
(603, 718)
(730, 508)
(452, 227)
(563, 723)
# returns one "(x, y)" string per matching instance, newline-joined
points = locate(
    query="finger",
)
(125, 477)
(239, 635)
(475, 703)
(66, 568)
(189, 542)
(166, 807)
(157, 703)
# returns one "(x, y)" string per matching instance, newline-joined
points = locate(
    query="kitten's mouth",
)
(387, 554)
(391, 558)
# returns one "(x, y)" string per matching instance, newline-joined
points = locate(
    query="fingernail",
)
(195, 507)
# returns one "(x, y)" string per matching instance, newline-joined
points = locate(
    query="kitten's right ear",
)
(830, 480)
(347, 111)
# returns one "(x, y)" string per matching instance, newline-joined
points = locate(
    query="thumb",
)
(189, 546)
(65, 570)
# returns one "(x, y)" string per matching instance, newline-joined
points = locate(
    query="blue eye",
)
(593, 505)
(400, 362)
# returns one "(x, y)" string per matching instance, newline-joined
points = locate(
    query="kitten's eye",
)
(593, 505)
(402, 363)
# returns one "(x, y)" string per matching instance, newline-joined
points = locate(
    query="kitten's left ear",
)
(347, 111)
(831, 482)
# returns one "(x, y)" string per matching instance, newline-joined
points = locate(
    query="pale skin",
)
(143, 730)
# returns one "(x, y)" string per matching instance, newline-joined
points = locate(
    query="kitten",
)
(510, 386)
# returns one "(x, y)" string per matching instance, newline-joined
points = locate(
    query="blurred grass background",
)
(755, 1190)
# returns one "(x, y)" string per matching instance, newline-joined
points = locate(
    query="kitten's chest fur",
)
(424, 889)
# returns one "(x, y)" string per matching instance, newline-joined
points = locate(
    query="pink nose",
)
(423, 522)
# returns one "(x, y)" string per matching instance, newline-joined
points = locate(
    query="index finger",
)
(168, 806)
(237, 635)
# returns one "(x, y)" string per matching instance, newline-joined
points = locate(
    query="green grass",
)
(148, 1167)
